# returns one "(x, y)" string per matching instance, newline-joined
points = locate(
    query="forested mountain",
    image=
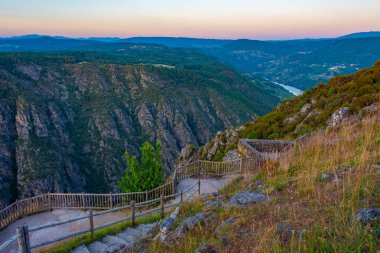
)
(66, 118)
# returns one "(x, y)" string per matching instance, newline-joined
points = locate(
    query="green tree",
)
(145, 174)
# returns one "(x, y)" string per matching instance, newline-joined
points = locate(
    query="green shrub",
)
(145, 175)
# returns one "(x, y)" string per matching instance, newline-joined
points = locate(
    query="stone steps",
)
(115, 243)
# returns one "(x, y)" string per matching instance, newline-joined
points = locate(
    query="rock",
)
(259, 185)
(287, 232)
(223, 224)
(305, 108)
(81, 249)
(169, 222)
(330, 177)
(213, 194)
(188, 155)
(245, 198)
(96, 247)
(212, 203)
(190, 223)
(232, 155)
(290, 119)
(240, 128)
(369, 109)
(374, 166)
(206, 248)
(368, 215)
(338, 116)
(224, 240)
(261, 188)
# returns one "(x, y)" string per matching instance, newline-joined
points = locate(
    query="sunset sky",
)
(254, 19)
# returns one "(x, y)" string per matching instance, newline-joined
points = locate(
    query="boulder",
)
(232, 155)
(368, 215)
(169, 222)
(305, 108)
(212, 203)
(338, 116)
(191, 222)
(223, 224)
(207, 248)
(287, 232)
(246, 198)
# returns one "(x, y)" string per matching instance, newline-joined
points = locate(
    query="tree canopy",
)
(145, 173)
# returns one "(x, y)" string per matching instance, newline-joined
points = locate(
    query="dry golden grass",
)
(302, 200)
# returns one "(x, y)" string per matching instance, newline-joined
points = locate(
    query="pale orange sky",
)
(275, 19)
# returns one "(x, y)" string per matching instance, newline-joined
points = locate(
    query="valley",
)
(66, 118)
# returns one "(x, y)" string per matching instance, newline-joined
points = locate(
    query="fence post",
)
(173, 187)
(91, 219)
(146, 195)
(49, 202)
(181, 196)
(199, 187)
(133, 213)
(162, 206)
(23, 240)
(83, 202)
(111, 200)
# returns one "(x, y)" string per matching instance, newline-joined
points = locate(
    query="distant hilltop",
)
(361, 35)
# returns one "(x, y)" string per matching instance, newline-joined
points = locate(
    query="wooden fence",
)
(83, 201)
(22, 235)
(208, 168)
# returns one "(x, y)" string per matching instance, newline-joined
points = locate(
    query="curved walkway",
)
(207, 186)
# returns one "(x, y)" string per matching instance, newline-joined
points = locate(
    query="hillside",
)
(66, 118)
(304, 114)
(322, 196)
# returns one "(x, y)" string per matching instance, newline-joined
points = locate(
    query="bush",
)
(146, 174)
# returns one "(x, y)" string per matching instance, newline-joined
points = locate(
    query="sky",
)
(232, 19)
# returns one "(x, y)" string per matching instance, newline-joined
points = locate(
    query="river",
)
(289, 88)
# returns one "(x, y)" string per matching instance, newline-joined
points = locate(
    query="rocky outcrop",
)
(368, 215)
(338, 116)
(246, 198)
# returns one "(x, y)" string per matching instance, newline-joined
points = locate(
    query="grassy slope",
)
(354, 91)
(323, 209)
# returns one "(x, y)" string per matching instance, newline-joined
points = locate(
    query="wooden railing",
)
(22, 235)
(216, 168)
(83, 201)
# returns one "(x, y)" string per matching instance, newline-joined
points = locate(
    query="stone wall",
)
(263, 149)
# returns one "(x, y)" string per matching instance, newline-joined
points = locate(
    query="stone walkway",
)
(207, 186)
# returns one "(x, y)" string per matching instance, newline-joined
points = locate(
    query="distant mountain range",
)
(182, 41)
(299, 63)
(361, 35)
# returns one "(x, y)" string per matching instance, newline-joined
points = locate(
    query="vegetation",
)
(354, 91)
(146, 174)
(322, 211)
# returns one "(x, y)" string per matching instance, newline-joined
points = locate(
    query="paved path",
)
(207, 186)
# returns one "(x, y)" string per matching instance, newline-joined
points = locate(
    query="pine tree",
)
(145, 175)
